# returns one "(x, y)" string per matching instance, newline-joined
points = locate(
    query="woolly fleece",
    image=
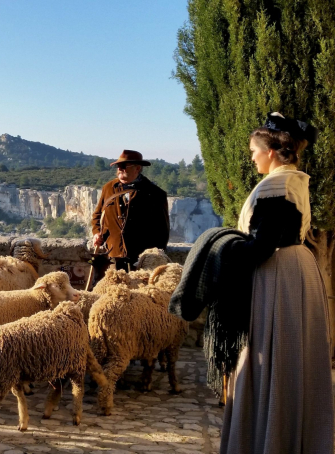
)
(16, 304)
(44, 347)
(129, 324)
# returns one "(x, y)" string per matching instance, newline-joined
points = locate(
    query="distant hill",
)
(42, 167)
(17, 153)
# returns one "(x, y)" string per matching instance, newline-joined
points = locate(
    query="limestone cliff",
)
(189, 217)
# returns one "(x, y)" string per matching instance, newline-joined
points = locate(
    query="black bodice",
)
(275, 223)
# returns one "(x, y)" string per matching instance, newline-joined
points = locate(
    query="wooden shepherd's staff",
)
(90, 276)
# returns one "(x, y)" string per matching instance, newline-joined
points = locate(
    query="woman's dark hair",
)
(286, 147)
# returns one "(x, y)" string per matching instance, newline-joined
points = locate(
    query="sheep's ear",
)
(42, 285)
(156, 272)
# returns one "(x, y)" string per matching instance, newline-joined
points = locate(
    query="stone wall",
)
(72, 255)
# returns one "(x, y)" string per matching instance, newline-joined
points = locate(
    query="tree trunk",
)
(322, 245)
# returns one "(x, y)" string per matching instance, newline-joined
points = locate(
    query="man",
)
(136, 212)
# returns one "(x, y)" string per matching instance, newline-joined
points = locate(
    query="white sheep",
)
(147, 262)
(48, 291)
(135, 324)
(21, 270)
(133, 280)
(47, 346)
(151, 259)
(85, 302)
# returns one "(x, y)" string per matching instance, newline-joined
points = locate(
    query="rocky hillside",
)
(189, 217)
(17, 153)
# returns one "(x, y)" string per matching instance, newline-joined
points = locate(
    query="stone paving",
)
(154, 423)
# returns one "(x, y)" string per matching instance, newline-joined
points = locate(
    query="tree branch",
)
(331, 248)
(311, 239)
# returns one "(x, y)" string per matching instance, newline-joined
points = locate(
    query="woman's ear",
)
(272, 154)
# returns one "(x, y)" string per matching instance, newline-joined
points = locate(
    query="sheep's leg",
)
(146, 379)
(94, 369)
(53, 397)
(17, 390)
(162, 361)
(27, 389)
(122, 383)
(113, 370)
(172, 356)
(77, 382)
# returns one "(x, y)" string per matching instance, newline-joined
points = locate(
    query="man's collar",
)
(133, 184)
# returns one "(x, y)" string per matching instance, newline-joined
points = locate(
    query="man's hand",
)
(98, 239)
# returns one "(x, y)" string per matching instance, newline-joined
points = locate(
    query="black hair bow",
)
(296, 128)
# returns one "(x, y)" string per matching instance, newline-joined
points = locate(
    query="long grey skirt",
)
(280, 396)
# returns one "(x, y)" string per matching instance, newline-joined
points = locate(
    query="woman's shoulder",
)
(280, 183)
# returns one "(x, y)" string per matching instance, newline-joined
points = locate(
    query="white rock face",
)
(30, 203)
(80, 202)
(189, 217)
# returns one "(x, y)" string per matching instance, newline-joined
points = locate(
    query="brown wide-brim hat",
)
(131, 156)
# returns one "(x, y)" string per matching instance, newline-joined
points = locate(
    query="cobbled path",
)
(154, 423)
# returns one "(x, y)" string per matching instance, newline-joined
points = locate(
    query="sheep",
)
(85, 302)
(151, 259)
(129, 324)
(47, 346)
(48, 291)
(133, 280)
(148, 261)
(21, 270)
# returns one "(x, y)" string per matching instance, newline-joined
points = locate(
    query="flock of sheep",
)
(51, 332)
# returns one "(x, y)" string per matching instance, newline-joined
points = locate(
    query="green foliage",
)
(24, 181)
(178, 179)
(197, 165)
(17, 153)
(238, 60)
(15, 224)
(99, 164)
(28, 224)
(59, 228)
(9, 219)
(170, 177)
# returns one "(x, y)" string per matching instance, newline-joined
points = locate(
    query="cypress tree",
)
(239, 60)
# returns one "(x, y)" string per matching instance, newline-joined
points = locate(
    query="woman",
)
(280, 395)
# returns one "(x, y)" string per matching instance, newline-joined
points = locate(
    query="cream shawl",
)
(284, 181)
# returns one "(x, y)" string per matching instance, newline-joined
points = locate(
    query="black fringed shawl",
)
(209, 279)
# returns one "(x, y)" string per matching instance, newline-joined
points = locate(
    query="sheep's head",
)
(166, 277)
(112, 278)
(28, 250)
(56, 287)
(70, 310)
(151, 259)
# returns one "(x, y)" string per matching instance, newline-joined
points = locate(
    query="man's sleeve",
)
(162, 221)
(97, 214)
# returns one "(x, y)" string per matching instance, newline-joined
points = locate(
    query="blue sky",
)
(94, 76)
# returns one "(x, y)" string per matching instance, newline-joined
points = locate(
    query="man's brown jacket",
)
(145, 224)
